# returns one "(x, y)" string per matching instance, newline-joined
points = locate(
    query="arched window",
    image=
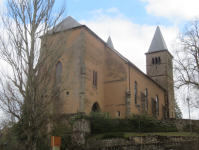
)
(156, 60)
(135, 91)
(58, 72)
(146, 100)
(159, 60)
(157, 105)
(118, 114)
(152, 60)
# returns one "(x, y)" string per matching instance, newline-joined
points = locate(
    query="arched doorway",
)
(96, 107)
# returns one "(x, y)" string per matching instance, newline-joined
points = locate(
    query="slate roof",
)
(158, 43)
(67, 23)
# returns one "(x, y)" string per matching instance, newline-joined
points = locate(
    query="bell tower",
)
(160, 68)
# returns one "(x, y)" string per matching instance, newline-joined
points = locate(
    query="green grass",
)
(133, 134)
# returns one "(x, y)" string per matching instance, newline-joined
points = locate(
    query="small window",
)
(152, 60)
(159, 60)
(135, 91)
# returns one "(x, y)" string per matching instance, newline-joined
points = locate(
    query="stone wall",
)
(134, 143)
(81, 127)
(179, 123)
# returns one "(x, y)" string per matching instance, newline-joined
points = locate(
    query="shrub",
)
(194, 127)
(146, 122)
(100, 122)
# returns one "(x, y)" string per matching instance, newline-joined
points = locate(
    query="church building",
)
(101, 79)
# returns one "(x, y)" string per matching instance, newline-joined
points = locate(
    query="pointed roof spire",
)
(67, 23)
(109, 42)
(158, 42)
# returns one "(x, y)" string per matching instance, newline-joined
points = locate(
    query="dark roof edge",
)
(159, 51)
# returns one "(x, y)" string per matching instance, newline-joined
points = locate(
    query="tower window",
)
(135, 91)
(159, 60)
(152, 60)
(156, 60)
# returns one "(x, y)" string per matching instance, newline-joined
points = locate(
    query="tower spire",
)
(158, 43)
(109, 42)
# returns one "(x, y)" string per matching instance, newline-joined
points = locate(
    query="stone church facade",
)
(101, 79)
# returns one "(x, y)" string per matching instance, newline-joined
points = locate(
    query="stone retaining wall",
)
(134, 143)
(179, 123)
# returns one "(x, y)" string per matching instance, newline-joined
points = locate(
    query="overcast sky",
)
(132, 23)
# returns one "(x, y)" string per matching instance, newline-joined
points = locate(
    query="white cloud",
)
(130, 39)
(173, 9)
(112, 10)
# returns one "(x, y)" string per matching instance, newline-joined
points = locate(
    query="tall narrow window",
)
(146, 100)
(93, 77)
(58, 72)
(157, 105)
(96, 78)
(135, 91)
(159, 60)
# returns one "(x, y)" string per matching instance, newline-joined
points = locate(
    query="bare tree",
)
(28, 90)
(186, 62)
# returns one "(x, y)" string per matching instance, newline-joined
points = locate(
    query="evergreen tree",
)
(178, 112)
